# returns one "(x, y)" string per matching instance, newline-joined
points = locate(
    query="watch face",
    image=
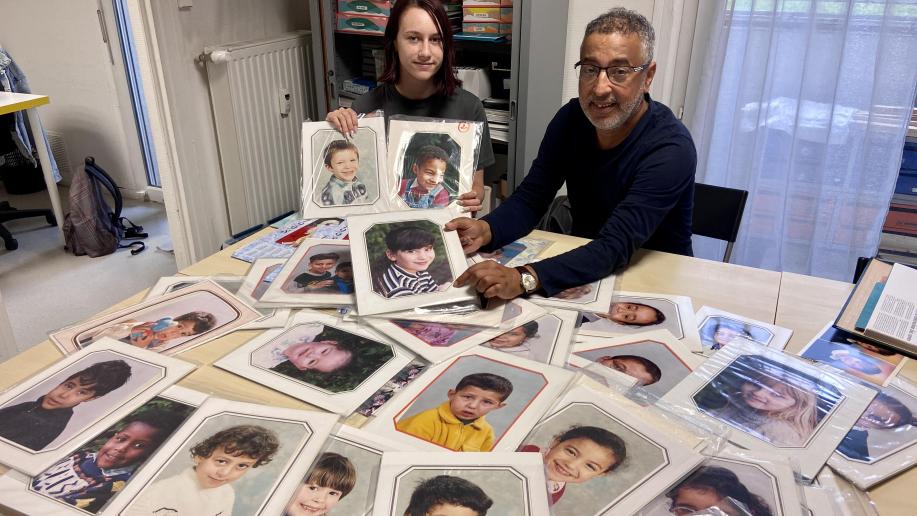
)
(528, 282)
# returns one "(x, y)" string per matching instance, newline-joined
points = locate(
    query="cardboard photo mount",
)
(275, 292)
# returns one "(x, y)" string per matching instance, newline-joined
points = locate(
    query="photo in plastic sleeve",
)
(735, 482)
(501, 395)
(343, 176)
(522, 251)
(393, 386)
(853, 356)
(431, 163)
(593, 296)
(168, 324)
(546, 339)
(282, 243)
(405, 259)
(501, 483)
(332, 228)
(883, 441)
(656, 359)
(634, 312)
(774, 402)
(718, 328)
(320, 273)
(495, 312)
(46, 417)
(84, 481)
(438, 341)
(229, 458)
(342, 480)
(330, 364)
(596, 454)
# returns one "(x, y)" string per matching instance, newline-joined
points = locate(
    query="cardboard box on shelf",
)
(361, 23)
(487, 14)
(487, 3)
(371, 7)
(488, 28)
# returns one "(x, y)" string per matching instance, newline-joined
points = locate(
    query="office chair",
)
(8, 213)
(718, 213)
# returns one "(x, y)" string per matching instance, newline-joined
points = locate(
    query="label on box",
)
(487, 14)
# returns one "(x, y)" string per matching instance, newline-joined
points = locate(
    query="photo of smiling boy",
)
(318, 277)
(459, 423)
(35, 424)
(425, 189)
(342, 160)
(90, 477)
(204, 487)
(331, 479)
(410, 251)
(886, 426)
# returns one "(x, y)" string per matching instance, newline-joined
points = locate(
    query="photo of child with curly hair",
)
(578, 455)
(768, 400)
(204, 487)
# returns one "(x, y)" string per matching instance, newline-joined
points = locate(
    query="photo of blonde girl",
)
(768, 400)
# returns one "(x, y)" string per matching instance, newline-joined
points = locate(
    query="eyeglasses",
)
(616, 74)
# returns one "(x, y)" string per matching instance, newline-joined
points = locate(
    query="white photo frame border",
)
(370, 302)
(15, 487)
(867, 474)
(683, 307)
(171, 370)
(402, 131)
(562, 343)
(825, 437)
(780, 336)
(319, 424)
(679, 458)
(275, 293)
(396, 465)
(239, 362)
(557, 380)
(375, 127)
(601, 300)
(891, 376)
(65, 339)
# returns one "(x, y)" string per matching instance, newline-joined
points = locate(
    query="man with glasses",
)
(628, 164)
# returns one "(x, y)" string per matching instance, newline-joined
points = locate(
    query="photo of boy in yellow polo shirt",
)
(458, 423)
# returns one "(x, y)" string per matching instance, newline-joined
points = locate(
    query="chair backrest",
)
(718, 213)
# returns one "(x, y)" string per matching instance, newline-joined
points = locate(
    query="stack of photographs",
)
(634, 312)
(851, 355)
(320, 273)
(718, 328)
(283, 242)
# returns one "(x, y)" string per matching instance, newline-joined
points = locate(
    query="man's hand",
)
(473, 233)
(492, 280)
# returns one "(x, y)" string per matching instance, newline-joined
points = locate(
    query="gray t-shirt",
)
(461, 105)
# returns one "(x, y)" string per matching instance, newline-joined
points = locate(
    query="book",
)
(894, 319)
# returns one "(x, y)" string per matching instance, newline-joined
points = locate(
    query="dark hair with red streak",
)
(445, 78)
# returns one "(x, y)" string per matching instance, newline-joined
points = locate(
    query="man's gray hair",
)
(624, 21)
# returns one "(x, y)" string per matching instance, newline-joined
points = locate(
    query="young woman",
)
(419, 80)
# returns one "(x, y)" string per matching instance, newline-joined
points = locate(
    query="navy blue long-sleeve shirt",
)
(637, 194)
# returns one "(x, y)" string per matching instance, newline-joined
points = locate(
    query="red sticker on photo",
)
(463, 127)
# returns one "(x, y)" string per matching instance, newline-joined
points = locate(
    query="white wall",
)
(58, 44)
(182, 35)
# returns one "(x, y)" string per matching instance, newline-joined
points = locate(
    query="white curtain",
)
(805, 104)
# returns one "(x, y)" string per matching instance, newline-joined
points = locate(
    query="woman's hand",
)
(474, 200)
(344, 120)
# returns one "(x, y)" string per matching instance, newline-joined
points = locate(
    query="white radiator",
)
(261, 93)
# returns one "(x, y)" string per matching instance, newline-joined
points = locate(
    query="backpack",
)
(91, 226)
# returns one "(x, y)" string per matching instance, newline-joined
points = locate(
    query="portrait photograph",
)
(404, 260)
(45, 417)
(320, 273)
(168, 324)
(229, 458)
(718, 328)
(883, 442)
(545, 339)
(773, 402)
(594, 296)
(853, 356)
(633, 312)
(343, 176)
(501, 483)
(282, 242)
(438, 341)
(736, 482)
(334, 365)
(502, 396)
(84, 481)
(430, 163)
(342, 480)
(656, 359)
(596, 454)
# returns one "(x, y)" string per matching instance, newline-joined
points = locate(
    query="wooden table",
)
(800, 302)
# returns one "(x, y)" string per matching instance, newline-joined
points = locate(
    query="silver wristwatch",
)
(528, 281)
